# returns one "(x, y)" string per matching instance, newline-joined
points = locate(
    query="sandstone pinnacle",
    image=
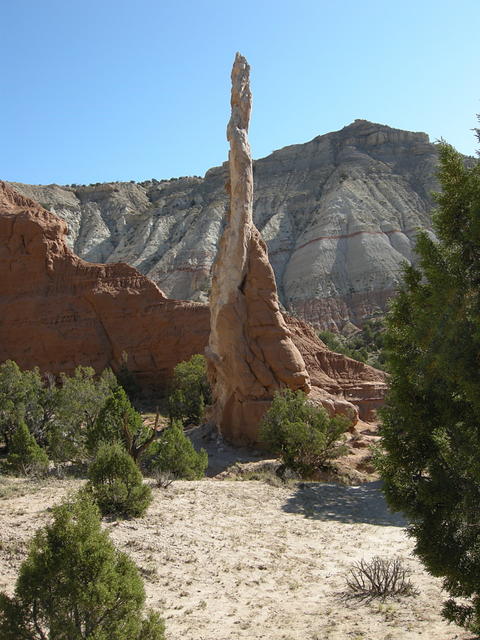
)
(250, 353)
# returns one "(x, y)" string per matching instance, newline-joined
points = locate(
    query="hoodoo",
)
(250, 353)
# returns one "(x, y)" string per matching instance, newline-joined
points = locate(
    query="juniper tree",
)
(116, 482)
(25, 455)
(58, 412)
(77, 402)
(74, 585)
(431, 423)
(190, 391)
(118, 421)
(19, 395)
(301, 434)
(174, 453)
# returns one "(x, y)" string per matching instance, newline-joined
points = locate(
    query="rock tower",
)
(250, 353)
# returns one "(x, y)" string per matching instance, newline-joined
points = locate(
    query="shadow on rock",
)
(329, 501)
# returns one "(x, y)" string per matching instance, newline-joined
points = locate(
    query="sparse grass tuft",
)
(268, 477)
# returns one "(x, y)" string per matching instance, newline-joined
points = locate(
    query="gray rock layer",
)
(339, 215)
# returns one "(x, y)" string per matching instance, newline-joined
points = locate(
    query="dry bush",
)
(163, 479)
(379, 578)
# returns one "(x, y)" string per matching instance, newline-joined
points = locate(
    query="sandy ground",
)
(243, 559)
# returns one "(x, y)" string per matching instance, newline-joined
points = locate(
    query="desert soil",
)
(225, 559)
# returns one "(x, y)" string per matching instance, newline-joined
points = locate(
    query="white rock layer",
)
(339, 215)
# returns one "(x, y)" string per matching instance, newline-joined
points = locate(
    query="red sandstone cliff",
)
(335, 378)
(58, 311)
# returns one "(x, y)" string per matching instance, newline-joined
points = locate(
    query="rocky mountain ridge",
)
(339, 215)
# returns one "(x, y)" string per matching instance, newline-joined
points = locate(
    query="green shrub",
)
(119, 422)
(57, 415)
(190, 391)
(302, 435)
(75, 405)
(365, 346)
(116, 482)
(173, 452)
(74, 585)
(25, 455)
(20, 393)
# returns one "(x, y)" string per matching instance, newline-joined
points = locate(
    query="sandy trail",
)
(227, 559)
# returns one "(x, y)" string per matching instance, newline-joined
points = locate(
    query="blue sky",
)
(102, 90)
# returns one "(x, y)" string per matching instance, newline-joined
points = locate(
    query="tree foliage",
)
(77, 402)
(20, 393)
(365, 346)
(118, 421)
(190, 391)
(431, 424)
(173, 452)
(57, 413)
(301, 434)
(74, 585)
(116, 482)
(26, 456)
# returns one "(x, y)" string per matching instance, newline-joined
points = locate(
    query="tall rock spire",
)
(250, 353)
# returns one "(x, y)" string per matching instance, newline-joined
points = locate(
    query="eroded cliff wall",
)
(58, 311)
(339, 215)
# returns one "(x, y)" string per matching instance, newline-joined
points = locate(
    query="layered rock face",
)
(250, 353)
(58, 311)
(339, 215)
(341, 385)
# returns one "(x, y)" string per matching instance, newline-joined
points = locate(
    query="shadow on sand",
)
(329, 501)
